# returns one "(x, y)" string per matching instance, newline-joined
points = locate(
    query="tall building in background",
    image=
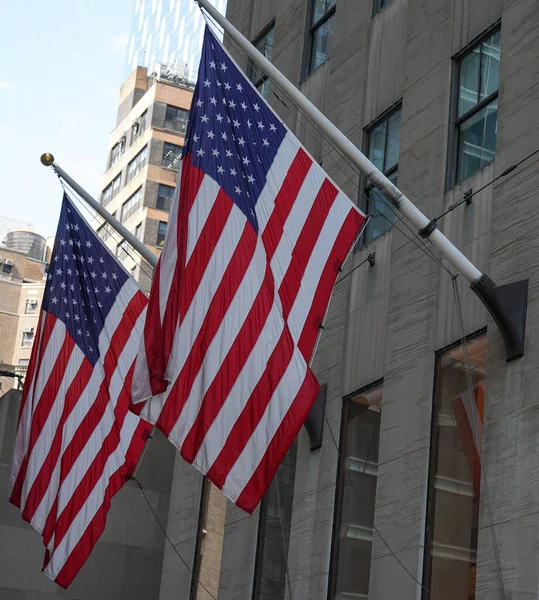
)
(167, 35)
(142, 164)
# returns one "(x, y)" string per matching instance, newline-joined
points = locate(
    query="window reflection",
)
(356, 495)
(456, 474)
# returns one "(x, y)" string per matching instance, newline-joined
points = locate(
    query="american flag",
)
(256, 238)
(77, 443)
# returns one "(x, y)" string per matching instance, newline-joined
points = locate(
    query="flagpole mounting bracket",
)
(508, 306)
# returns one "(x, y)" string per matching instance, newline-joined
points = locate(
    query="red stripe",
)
(37, 353)
(285, 200)
(89, 480)
(32, 364)
(279, 445)
(94, 530)
(46, 401)
(231, 367)
(305, 244)
(224, 295)
(205, 247)
(43, 479)
(159, 336)
(254, 409)
(344, 241)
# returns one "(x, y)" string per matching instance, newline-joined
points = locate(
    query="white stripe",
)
(220, 346)
(188, 331)
(242, 389)
(93, 502)
(204, 202)
(46, 435)
(295, 222)
(253, 452)
(25, 420)
(169, 256)
(317, 261)
(274, 181)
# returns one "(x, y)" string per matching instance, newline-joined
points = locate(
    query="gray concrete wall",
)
(125, 563)
(389, 320)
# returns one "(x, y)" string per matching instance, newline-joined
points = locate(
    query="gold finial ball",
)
(47, 159)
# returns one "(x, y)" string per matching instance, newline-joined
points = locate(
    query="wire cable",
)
(467, 198)
(351, 482)
(168, 538)
(475, 425)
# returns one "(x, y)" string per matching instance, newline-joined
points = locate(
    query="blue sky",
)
(60, 75)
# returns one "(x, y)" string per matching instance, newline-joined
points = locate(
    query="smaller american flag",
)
(77, 442)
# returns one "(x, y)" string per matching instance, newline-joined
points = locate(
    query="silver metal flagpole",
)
(47, 160)
(506, 303)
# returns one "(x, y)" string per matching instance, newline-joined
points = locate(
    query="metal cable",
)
(502, 174)
(475, 426)
(168, 539)
(351, 482)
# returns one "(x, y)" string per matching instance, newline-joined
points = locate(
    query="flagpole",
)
(47, 160)
(506, 303)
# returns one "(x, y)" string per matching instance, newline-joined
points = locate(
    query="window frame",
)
(252, 67)
(339, 486)
(364, 188)
(142, 123)
(131, 173)
(165, 144)
(178, 109)
(311, 30)
(167, 199)
(157, 244)
(117, 151)
(433, 461)
(136, 201)
(28, 344)
(456, 121)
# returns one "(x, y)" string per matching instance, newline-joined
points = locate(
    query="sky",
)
(60, 76)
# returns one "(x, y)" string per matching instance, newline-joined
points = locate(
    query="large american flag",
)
(77, 443)
(255, 241)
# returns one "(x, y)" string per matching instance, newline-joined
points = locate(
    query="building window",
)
(383, 142)
(263, 43)
(137, 164)
(138, 231)
(139, 126)
(121, 250)
(172, 155)
(117, 151)
(176, 118)
(356, 495)
(455, 477)
(27, 338)
(379, 4)
(24, 362)
(321, 32)
(31, 306)
(274, 523)
(164, 197)
(111, 190)
(7, 266)
(104, 232)
(476, 123)
(161, 232)
(131, 205)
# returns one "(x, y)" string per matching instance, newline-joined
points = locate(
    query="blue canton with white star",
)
(83, 281)
(233, 135)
